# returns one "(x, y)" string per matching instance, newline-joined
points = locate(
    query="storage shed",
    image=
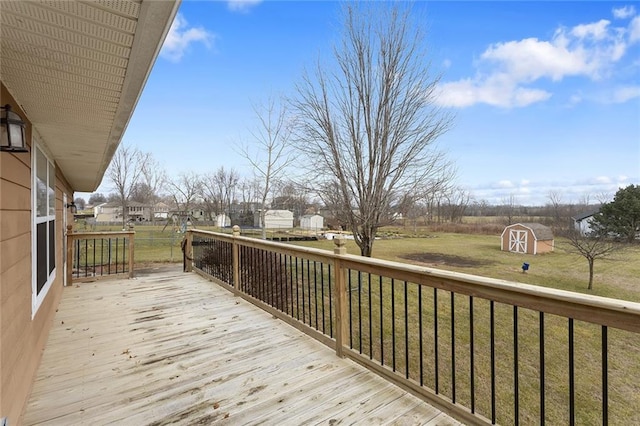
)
(527, 238)
(312, 222)
(275, 219)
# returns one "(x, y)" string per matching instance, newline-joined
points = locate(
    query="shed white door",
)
(517, 241)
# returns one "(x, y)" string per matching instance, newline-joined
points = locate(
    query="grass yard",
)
(618, 277)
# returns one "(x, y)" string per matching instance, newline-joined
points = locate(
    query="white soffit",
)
(77, 69)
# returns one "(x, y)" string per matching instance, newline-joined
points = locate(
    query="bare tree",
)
(218, 190)
(154, 178)
(184, 191)
(591, 247)
(368, 129)
(124, 173)
(457, 201)
(509, 207)
(270, 155)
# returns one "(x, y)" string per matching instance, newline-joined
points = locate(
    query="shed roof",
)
(540, 231)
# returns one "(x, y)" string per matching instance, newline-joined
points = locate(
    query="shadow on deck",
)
(173, 348)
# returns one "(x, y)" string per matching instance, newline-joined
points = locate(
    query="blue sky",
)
(546, 95)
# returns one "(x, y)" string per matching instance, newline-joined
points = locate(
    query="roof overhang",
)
(77, 69)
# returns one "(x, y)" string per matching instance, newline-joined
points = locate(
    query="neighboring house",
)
(527, 238)
(112, 212)
(275, 219)
(312, 222)
(582, 223)
(160, 211)
(73, 71)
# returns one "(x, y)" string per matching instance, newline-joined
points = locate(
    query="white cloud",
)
(624, 12)
(512, 67)
(179, 38)
(624, 94)
(496, 91)
(536, 192)
(242, 5)
(597, 30)
(634, 30)
(504, 184)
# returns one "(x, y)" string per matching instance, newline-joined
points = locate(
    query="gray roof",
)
(540, 231)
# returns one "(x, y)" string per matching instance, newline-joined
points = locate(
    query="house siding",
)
(22, 338)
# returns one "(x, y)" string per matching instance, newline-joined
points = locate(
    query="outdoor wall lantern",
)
(72, 207)
(11, 131)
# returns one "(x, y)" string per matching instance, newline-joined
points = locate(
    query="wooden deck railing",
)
(484, 350)
(95, 255)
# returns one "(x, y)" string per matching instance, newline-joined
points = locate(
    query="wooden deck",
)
(172, 348)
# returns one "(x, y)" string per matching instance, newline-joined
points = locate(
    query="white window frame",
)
(38, 298)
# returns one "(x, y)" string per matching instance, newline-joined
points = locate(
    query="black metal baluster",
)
(297, 291)
(516, 389)
(472, 378)
(542, 374)
(309, 289)
(453, 348)
(330, 301)
(381, 324)
(493, 361)
(109, 255)
(572, 401)
(350, 310)
(605, 377)
(304, 317)
(86, 258)
(102, 253)
(370, 325)
(360, 311)
(435, 338)
(421, 336)
(322, 295)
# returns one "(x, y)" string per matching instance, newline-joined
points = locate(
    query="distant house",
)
(160, 211)
(112, 212)
(275, 219)
(527, 238)
(312, 222)
(582, 223)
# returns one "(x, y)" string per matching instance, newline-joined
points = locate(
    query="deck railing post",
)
(341, 296)
(69, 255)
(188, 251)
(132, 235)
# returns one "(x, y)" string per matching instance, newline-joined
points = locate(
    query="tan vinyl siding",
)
(22, 338)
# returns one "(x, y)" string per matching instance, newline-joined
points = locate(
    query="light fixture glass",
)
(12, 135)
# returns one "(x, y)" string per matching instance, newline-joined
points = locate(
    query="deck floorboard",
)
(173, 348)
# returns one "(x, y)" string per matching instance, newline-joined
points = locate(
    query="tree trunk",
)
(590, 287)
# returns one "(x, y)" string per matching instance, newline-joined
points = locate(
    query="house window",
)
(44, 227)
